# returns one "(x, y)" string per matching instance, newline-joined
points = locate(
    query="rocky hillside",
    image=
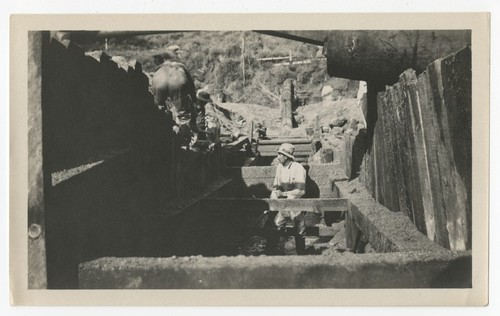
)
(234, 65)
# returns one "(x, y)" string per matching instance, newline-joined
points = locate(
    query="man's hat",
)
(287, 149)
(203, 95)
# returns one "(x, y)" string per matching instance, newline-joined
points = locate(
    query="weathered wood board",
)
(421, 152)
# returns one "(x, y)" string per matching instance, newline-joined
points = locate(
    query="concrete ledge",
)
(386, 231)
(390, 270)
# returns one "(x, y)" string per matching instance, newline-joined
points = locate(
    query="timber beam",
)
(382, 55)
(248, 204)
(309, 37)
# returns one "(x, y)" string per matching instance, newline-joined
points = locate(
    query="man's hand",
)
(176, 129)
(276, 194)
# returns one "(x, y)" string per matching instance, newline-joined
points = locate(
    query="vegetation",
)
(215, 59)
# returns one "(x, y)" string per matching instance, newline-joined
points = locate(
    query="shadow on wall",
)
(260, 190)
(100, 213)
(458, 274)
(261, 187)
(359, 149)
(312, 188)
(363, 141)
(91, 106)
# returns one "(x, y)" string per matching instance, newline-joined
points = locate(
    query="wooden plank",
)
(37, 264)
(311, 37)
(237, 144)
(347, 157)
(447, 139)
(272, 152)
(352, 231)
(295, 154)
(411, 170)
(247, 205)
(279, 141)
(275, 153)
(457, 183)
(428, 90)
(302, 160)
(377, 162)
(416, 99)
(422, 150)
(274, 148)
(387, 183)
(395, 104)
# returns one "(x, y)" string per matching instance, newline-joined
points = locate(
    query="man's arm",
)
(299, 174)
(277, 189)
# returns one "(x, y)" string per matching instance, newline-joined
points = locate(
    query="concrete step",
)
(279, 141)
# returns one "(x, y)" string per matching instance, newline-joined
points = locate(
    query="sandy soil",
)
(324, 114)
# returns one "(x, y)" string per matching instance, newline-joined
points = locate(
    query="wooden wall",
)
(419, 158)
(99, 119)
(94, 106)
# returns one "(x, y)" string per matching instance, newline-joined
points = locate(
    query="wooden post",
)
(317, 129)
(286, 102)
(352, 232)
(243, 56)
(37, 259)
(250, 132)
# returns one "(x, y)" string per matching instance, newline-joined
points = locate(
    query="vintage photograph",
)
(265, 159)
(250, 159)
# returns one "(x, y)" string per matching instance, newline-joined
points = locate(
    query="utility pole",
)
(243, 56)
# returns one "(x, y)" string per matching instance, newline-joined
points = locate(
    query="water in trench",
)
(230, 231)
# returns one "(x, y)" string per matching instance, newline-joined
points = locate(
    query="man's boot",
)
(300, 244)
(279, 239)
(281, 231)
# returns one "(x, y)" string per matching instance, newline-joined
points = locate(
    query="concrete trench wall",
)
(418, 161)
(394, 270)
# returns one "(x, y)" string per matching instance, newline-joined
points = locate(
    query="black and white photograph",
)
(253, 158)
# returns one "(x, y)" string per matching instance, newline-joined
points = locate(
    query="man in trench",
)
(206, 120)
(290, 183)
